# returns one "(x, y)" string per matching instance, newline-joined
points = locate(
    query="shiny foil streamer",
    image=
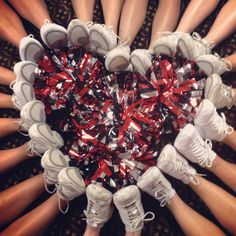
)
(116, 123)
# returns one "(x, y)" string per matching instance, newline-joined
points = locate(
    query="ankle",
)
(92, 231)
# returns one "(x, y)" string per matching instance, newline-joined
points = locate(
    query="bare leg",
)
(34, 11)
(36, 221)
(11, 28)
(92, 231)
(6, 76)
(138, 233)
(230, 139)
(111, 12)
(191, 222)
(221, 203)
(14, 200)
(132, 17)
(95, 231)
(84, 9)
(165, 19)
(5, 101)
(232, 59)
(12, 157)
(195, 13)
(225, 170)
(224, 24)
(8, 126)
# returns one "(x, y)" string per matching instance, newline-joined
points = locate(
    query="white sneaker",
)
(78, 32)
(30, 49)
(70, 186)
(118, 59)
(155, 184)
(23, 92)
(193, 47)
(173, 164)
(103, 38)
(53, 161)
(31, 113)
(192, 146)
(25, 71)
(209, 123)
(128, 202)
(53, 35)
(141, 60)
(213, 64)
(43, 139)
(167, 44)
(218, 93)
(99, 209)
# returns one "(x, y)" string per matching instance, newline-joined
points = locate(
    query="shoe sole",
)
(67, 170)
(73, 33)
(36, 130)
(30, 92)
(51, 158)
(21, 67)
(47, 36)
(41, 118)
(119, 63)
(96, 38)
(183, 48)
(206, 67)
(137, 64)
(34, 58)
(163, 50)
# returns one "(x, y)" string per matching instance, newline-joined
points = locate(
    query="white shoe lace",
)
(183, 168)
(31, 151)
(201, 150)
(135, 218)
(221, 127)
(50, 175)
(228, 95)
(12, 84)
(121, 44)
(89, 23)
(92, 213)
(161, 193)
(199, 39)
(227, 64)
(21, 125)
(59, 194)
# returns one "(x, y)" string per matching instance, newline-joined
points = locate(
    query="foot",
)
(190, 144)
(99, 209)
(213, 64)
(128, 202)
(173, 164)
(53, 161)
(43, 139)
(23, 92)
(209, 124)
(103, 38)
(155, 184)
(141, 60)
(70, 185)
(25, 71)
(193, 47)
(53, 35)
(78, 32)
(31, 113)
(218, 93)
(118, 59)
(30, 49)
(167, 44)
